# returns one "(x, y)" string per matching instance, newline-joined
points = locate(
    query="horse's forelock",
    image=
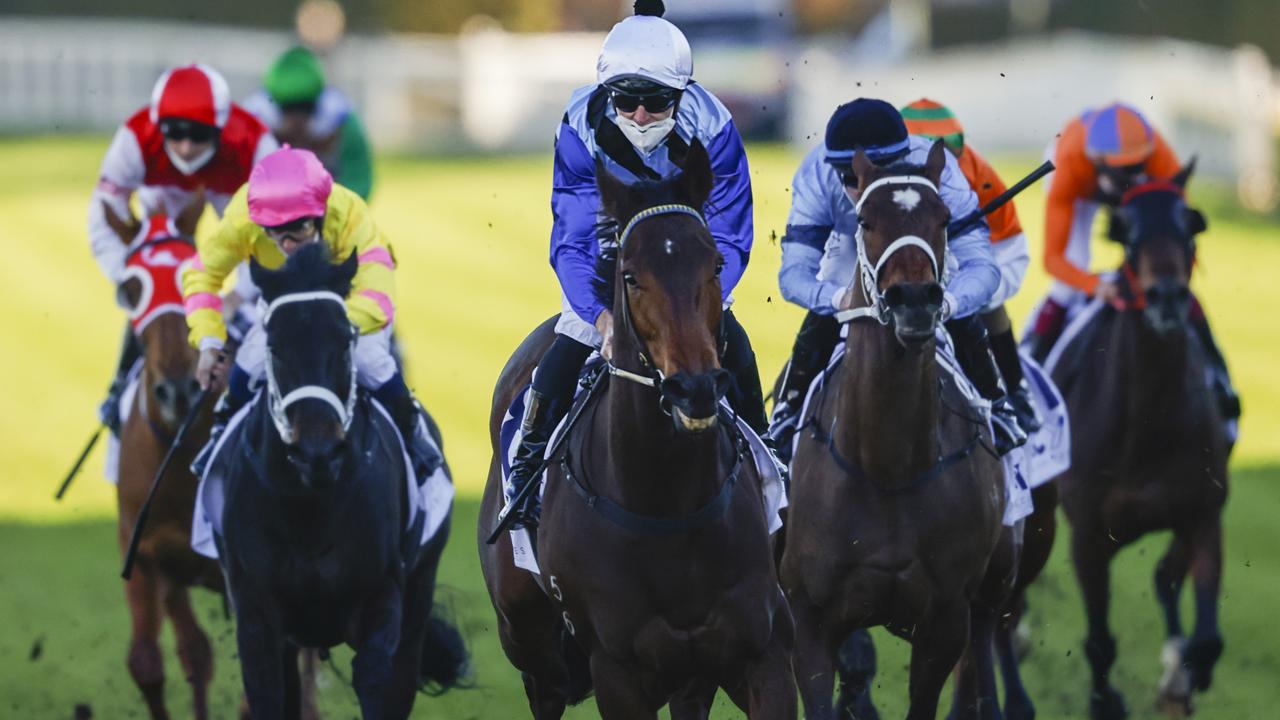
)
(309, 268)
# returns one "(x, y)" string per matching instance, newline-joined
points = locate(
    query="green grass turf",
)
(471, 237)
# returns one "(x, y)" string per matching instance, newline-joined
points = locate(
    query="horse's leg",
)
(1174, 696)
(194, 651)
(292, 682)
(975, 694)
(146, 665)
(619, 693)
(694, 702)
(768, 689)
(1091, 552)
(1017, 701)
(372, 667)
(856, 662)
(260, 645)
(418, 598)
(936, 645)
(310, 664)
(1205, 645)
(814, 668)
(531, 635)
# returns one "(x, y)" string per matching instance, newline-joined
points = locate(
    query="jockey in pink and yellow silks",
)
(291, 201)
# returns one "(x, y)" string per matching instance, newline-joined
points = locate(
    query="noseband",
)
(653, 378)
(869, 273)
(277, 404)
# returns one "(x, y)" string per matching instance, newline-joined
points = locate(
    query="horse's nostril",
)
(895, 296)
(163, 392)
(934, 294)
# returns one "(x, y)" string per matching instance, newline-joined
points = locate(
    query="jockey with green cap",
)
(305, 112)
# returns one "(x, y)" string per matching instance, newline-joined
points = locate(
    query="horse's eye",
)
(863, 223)
(719, 267)
(629, 278)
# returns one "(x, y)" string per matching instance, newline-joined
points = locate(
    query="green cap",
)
(296, 76)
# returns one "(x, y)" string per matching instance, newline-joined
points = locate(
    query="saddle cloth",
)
(775, 494)
(1016, 464)
(111, 468)
(433, 500)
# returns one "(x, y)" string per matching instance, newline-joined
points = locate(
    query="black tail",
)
(577, 668)
(446, 663)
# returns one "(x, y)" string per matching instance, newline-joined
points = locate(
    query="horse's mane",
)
(310, 268)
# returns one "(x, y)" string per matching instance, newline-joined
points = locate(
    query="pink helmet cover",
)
(286, 185)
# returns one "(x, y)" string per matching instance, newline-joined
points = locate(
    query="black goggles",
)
(178, 130)
(299, 107)
(300, 226)
(653, 102)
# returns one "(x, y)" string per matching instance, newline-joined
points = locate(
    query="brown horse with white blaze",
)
(1149, 448)
(657, 583)
(897, 499)
(166, 566)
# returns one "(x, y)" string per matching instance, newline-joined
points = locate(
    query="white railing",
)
(495, 91)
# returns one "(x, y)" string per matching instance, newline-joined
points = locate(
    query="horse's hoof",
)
(1199, 658)
(1173, 706)
(1107, 705)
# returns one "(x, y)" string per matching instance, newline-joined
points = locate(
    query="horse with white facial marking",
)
(897, 499)
(657, 583)
(311, 524)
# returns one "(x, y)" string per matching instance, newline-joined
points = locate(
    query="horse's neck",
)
(653, 470)
(887, 418)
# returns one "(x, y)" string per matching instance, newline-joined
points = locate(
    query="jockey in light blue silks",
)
(639, 120)
(819, 259)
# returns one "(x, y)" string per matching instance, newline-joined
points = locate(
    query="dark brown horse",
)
(659, 588)
(166, 564)
(897, 501)
(1149, 450)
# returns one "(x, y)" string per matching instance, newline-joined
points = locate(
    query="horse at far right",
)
(1150, 440)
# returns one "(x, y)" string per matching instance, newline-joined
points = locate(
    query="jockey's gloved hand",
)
(211, 370)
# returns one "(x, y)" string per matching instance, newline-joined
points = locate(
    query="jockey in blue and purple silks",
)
(639, 119)
(818, 259)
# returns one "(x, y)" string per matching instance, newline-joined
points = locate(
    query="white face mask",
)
(187, 167)
(648, 137)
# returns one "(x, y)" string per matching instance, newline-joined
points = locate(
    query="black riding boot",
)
(745, 397)
(1005, 349)
(409, 420)
(228, 405)
(974, 353)
(549, 400)
(541, 416)
(814, 344)
(109, 410)
(1223, 390)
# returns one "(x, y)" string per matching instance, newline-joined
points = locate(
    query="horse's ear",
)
(189, 217)
(126, 229)
(1119, 225)
(936, 161)
(1185, 173)
(263, 278)
(697, 179)
(613, 192)
(345, 271)
(1196, 222)
(862, 168)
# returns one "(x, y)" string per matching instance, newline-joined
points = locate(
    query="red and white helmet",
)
(192, 92)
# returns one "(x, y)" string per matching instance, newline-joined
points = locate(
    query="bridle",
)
(869, 274)
(278, 404)
(653, 376)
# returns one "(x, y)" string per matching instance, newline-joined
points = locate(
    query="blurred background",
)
(460, 100)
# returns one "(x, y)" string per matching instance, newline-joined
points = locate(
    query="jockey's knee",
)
(559, 367)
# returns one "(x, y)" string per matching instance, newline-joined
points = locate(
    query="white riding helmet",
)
(648, 47)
